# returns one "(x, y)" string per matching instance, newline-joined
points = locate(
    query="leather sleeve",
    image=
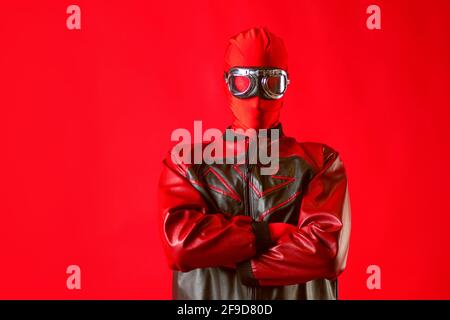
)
(318, 247)
(193, 237)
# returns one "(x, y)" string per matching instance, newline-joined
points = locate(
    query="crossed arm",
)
(265, 254)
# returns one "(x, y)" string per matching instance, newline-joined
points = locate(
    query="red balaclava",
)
(256, 47)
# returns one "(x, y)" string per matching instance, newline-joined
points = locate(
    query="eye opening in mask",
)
(270, 83)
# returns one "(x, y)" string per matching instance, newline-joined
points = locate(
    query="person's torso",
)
(242, 189)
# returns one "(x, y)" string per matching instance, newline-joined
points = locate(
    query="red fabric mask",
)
(256, 47)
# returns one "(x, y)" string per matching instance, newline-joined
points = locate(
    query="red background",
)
(86, 117)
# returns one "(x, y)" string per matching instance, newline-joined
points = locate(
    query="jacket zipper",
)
(248, 205)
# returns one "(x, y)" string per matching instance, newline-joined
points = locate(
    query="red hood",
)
(256, 47)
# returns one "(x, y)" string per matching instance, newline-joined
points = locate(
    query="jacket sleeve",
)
(194, 237)
(318, 247)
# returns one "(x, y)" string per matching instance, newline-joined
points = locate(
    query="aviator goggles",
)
(269, 83)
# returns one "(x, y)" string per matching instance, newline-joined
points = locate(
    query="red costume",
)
(231, 233)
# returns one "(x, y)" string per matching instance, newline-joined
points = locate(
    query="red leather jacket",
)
(231, 233)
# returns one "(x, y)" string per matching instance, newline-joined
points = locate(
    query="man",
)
(230, 232)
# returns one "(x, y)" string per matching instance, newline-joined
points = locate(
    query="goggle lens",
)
(276, 84)
(240, 83)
